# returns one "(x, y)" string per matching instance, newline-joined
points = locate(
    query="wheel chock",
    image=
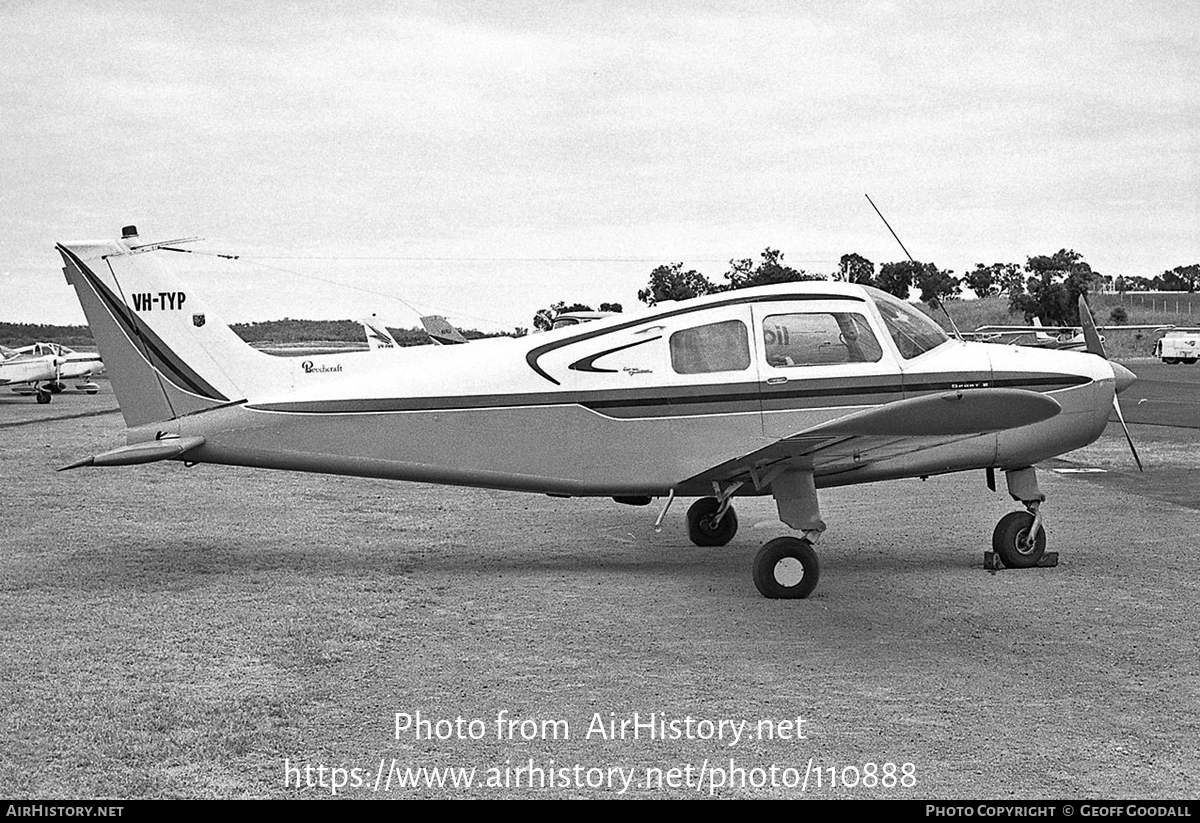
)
(992, 562)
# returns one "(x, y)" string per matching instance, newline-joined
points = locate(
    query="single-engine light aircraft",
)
(441, 332)
(42, 368)
(378, 337)
(778, 390)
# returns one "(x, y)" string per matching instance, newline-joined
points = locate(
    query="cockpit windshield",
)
(913, 332)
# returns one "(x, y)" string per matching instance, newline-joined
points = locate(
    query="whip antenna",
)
(941, 305)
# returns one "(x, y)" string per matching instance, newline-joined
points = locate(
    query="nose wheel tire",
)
(786, 568)
(703, 531)
(1010, 540)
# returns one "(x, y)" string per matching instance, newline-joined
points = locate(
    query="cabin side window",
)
(819, 339)
(711, 348)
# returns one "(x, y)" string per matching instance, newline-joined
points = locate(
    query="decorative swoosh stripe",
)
(586, 363)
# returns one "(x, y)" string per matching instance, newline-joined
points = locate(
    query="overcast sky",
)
(484, 159)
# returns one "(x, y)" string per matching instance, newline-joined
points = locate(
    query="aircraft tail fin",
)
(440, 331)
(378, 337)
(165, 351)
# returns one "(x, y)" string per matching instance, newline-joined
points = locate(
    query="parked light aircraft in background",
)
(1062, 338)
(441, 332)
(574, 318)
(40, 369)
(776, 390)
(437, 327)
(378, 337)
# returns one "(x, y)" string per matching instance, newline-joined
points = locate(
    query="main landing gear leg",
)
(787, 567)
(1019, 541)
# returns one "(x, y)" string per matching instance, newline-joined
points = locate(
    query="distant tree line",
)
(1180, 278)
(1046, 286)
(15, 335)
(672, 282)
(286, 330)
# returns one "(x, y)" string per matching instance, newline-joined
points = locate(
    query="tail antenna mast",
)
(941, 305)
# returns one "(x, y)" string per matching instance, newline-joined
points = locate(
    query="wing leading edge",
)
(883, 433)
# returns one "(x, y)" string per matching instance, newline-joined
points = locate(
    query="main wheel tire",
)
(701, 530)
(786, 568)
(43, 397)
(1008, 541)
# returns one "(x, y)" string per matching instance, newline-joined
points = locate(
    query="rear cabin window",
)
(712, 348)
(819, 339)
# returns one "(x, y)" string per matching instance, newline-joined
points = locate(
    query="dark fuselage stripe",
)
(689, 400)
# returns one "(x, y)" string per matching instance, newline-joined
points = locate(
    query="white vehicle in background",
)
(1178, 347)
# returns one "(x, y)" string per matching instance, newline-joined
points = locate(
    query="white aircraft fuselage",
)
(514, 414)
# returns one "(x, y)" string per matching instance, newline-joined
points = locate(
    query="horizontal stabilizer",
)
(968, 411)
(148, 452)
(440, 331)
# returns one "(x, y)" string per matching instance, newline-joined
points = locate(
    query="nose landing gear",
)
(1019, 541)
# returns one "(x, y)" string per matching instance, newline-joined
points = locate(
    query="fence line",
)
(1164, 304)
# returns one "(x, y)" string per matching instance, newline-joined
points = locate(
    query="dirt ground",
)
(216, 632)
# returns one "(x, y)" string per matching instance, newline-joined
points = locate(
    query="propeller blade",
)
(1122, 376)
(1094, 344)
(1121, 417)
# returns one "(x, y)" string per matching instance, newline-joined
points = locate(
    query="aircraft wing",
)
(986, 330)
(1025, 329)
(883, 433)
